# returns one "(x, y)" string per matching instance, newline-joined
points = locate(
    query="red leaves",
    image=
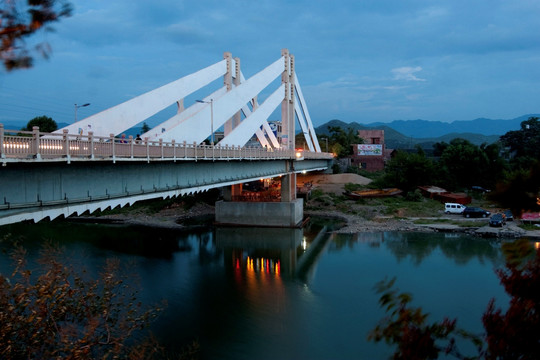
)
(514, 334)
(56, 313)
(15, 26)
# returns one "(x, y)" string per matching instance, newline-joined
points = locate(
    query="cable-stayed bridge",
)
(88, 165)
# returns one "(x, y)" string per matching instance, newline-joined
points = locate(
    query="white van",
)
(453, 208)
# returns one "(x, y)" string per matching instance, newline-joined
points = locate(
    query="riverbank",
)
(375, 215)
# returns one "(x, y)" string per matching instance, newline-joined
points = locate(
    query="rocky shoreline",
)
(356, 224)
(177, 218)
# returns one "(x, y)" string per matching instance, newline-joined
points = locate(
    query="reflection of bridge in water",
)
(89, 166)
(272, 251)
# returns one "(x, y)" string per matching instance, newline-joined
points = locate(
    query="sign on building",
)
(369, 149)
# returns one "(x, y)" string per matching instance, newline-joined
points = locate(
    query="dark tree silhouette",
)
(19, 20)
(45, 124)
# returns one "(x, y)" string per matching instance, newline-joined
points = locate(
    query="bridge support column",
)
(230, 192)
(288, 187)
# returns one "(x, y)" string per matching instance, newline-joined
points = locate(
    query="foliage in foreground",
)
(510, 334)
(56, 312)
(21, 19)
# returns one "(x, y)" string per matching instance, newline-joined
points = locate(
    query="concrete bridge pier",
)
(289, 212)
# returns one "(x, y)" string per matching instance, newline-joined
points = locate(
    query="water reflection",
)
(273, 251)
(284, 293)
(419, 246)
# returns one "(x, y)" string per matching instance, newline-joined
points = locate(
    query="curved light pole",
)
(79, 106)
(211, 102)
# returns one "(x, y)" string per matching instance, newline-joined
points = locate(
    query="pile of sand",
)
(333, 183)
(333, 179)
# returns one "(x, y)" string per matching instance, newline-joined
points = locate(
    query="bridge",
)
(91, 165)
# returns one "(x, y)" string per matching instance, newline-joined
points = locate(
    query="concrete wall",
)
(277, 214)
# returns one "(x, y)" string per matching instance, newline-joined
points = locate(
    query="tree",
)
(521, 190)
(145, 128)
(45, 124)
(408, 171)
(510, 334)
(524, 143)
(57, 312)
(341, 141)
(19, 21)
(463, 164)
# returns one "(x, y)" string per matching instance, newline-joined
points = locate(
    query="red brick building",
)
(372, 154)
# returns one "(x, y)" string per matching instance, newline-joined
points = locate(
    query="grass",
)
(450, 222)
(529, 227)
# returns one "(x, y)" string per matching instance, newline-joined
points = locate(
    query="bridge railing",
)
(18, 144)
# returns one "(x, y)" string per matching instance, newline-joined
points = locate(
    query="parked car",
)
(497, 220)
(480, 189)
(508, 215)
(453, 208)
(475, 212)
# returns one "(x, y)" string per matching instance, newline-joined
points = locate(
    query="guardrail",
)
(16, 145)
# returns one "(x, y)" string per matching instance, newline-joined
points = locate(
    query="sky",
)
(357, 61)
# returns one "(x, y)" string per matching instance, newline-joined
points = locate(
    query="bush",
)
(57, 312)
(415, 196)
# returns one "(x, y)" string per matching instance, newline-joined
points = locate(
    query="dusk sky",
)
(361, 61)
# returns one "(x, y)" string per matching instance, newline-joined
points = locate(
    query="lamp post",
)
(326, 140)
(79, 106)
(211, 102)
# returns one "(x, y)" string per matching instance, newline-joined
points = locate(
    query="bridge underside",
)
(49, 190)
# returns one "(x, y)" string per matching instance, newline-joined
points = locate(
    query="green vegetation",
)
(510, 168)
(465, 224)
(529, 227)
(45, 124)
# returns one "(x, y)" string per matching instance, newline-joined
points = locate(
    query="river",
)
(263, 293)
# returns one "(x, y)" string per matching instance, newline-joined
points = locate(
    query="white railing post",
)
(131, 145)
(111, 136)
(195, 150)
(147, 149)
(161, 147)
(65, 134)
(185, 149)
(91, 141)
(174, 149)
(2, 152)
(35, 134)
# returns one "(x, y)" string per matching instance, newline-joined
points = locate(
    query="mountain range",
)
(406, 134)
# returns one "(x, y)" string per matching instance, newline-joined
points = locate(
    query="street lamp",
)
(326, 139)
(79, 106)
(211, 102)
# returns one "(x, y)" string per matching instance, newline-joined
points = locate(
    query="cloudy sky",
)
(360, 60)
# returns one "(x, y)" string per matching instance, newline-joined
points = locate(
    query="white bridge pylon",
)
(233, 107)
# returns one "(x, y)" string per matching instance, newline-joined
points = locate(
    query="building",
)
(372, 154)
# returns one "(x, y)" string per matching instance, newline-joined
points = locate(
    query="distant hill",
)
(14, 126)
(396, 140)
(431, 129)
